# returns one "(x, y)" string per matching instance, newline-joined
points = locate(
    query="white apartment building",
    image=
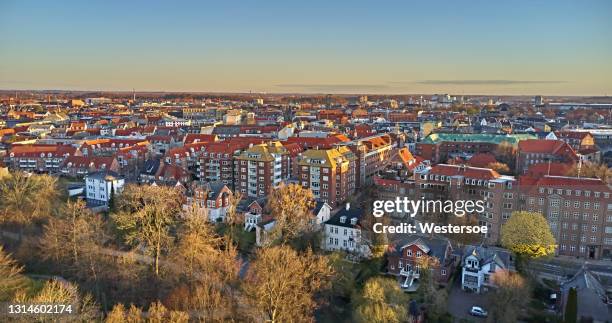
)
(98, 187)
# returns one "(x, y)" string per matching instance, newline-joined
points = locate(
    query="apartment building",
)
(460, 182)
(100, 187)
(372, 155)
(261, 168)
(578, 210)
(39, 158)
(439, 147)
(329, 173)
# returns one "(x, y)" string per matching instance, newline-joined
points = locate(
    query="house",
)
(479, 263)
(101, 186)
(321, 213)
(404, 257)
(343, 232)
(252, 210)
(262, 231)
(213, 199)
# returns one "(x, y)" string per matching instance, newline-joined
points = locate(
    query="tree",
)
(500, 168)
(281, 284)
(528, 235)
(146, 215)
(510, 296)
(571, 309)
(11, 279)
(62, 292)
(505, 152)
(202, 255)
(291, 206)
(590, 170)
(24, 197)
(430, 295)
(380, 300)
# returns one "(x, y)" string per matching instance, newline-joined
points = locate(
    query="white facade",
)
(476, 276)
(98, 188)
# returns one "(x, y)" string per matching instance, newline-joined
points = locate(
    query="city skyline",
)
(392, 48)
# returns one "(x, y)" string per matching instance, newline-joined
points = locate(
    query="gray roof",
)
(349, 214)
(591, 296)
(486, 255)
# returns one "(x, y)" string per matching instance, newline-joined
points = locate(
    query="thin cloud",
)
(486, 82)
(334, 87)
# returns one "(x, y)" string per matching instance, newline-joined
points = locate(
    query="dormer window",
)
(343, 219)
(354, 221)
(418, 254)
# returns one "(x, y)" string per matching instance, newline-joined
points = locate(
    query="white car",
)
(478, 311)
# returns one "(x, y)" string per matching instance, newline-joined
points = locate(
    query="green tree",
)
(571, 309)
(528, 235)
(146, 215)
(380, 300)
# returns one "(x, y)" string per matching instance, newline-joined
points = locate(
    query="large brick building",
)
(536, 151)
(329, 173)
(578, 210)
(439, 147)
(372, 155)
(460, 182)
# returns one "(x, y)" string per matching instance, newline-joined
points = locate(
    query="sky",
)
(378, 47)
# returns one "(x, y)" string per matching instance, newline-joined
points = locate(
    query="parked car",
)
(478, 311)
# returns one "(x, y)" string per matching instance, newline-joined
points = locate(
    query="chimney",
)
(348, 206)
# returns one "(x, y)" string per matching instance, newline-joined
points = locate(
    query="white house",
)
(343, 232)
(479, 263)
(98, 186)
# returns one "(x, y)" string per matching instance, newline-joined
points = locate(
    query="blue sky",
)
(462, 47)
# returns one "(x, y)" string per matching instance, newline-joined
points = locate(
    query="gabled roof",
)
(486, 255)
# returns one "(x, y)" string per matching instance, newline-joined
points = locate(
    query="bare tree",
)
(281, 284)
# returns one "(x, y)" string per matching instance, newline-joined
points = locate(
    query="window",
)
(576, 204)
(418, 253)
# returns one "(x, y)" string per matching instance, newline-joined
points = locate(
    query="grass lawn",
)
(245, 240)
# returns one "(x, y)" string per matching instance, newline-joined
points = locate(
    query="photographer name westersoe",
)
(413, 207)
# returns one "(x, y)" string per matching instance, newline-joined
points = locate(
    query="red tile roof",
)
(466, 171)
(481, 160)
(555, 169)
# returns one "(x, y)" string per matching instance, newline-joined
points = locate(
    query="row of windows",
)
(576, 192)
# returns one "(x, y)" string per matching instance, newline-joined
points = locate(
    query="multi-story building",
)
(578, 210)
(261, 168)
(39, 158)
(210, 199)
(536, 151)
(372, 155)
(100, 187)
(460, 182)
(83, 165)
(328, 173)
(343, 231)
(576, 139)
(439, 147)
